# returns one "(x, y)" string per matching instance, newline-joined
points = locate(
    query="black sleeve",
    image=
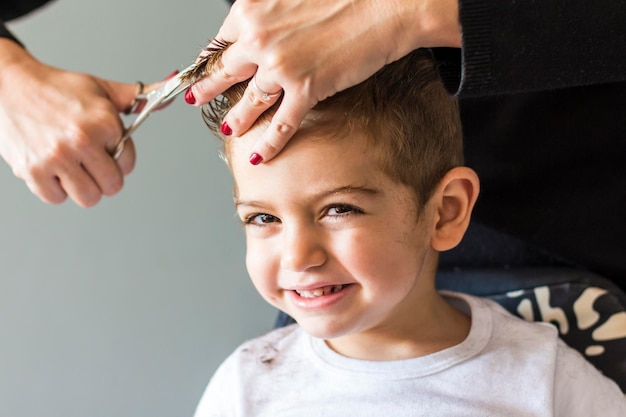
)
(5, 33)
(10, 9)
(512, 46)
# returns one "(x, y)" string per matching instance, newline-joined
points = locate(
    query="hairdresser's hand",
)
(58, 129)
(313, 49)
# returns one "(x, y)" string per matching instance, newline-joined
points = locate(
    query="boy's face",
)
(331, 240)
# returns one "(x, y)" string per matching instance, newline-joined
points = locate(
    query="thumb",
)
(123, 95)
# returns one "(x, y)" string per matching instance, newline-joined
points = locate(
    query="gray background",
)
(127, 308)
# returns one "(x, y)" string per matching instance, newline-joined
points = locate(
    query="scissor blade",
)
(176, 84)
(158, 97)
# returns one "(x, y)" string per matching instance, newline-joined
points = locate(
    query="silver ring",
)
(135, 103)
(265, 96)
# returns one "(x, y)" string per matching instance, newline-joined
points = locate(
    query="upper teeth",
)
(318, 292)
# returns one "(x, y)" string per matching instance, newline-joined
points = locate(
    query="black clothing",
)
(551, 162)
(553, 175)
(10, 9)
(542, 88)
(512, 46)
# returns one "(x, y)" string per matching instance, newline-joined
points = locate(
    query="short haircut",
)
(410, 121)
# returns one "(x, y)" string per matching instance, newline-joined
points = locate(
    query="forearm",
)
(522, 46)
(13, 57)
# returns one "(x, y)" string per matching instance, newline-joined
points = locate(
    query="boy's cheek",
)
(263, 269)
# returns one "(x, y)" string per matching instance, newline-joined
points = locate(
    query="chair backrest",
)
(588, 310)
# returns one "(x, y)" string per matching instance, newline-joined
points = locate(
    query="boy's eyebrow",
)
(346, 189)
(349, 189)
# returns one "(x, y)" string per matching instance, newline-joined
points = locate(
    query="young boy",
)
(343, 233)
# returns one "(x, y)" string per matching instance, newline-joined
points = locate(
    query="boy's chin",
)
(326, 328)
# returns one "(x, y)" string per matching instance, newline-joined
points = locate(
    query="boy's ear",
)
(454, 200)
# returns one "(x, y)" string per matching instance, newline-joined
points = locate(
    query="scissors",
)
(153, 100)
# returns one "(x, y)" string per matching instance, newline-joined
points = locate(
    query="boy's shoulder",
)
(495, 327)
(532, 360)
(496, 336)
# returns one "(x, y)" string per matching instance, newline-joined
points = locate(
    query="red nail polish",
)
(226, 130)
(256, 159)
(171, 75)
(189, 97)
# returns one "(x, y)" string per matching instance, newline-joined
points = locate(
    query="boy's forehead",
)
(308, 160)
(303, 141)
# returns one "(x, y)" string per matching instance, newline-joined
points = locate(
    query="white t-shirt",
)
(505, 367)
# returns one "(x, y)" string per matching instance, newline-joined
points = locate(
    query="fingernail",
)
(189, 97)
(256, 159)
(171, 75)
(226, 130)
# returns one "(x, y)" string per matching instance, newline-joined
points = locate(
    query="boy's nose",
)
(302, 249)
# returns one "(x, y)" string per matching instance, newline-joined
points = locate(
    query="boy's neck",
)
(435, 327)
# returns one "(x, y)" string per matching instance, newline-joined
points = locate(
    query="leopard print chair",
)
(588, 310)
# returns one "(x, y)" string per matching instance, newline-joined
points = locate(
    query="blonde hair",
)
(410, 122)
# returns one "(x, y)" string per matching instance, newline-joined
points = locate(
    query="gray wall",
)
(127, 308)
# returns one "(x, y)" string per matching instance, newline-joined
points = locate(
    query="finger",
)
(80, 186)
(284, 124)
(232, 67)
(108, 173)
(255, 101)
(65, 175)
(95, 168)
(122, 95)
(127, 159)
(48, 189)
(229, 31)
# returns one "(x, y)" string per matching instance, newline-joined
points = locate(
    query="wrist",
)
(12, 53)
(14, 60)
(432, 23)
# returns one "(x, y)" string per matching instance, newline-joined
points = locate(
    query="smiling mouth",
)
(319, 292)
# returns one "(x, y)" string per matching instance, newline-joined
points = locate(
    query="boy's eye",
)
(342, 210)
(261, 219)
